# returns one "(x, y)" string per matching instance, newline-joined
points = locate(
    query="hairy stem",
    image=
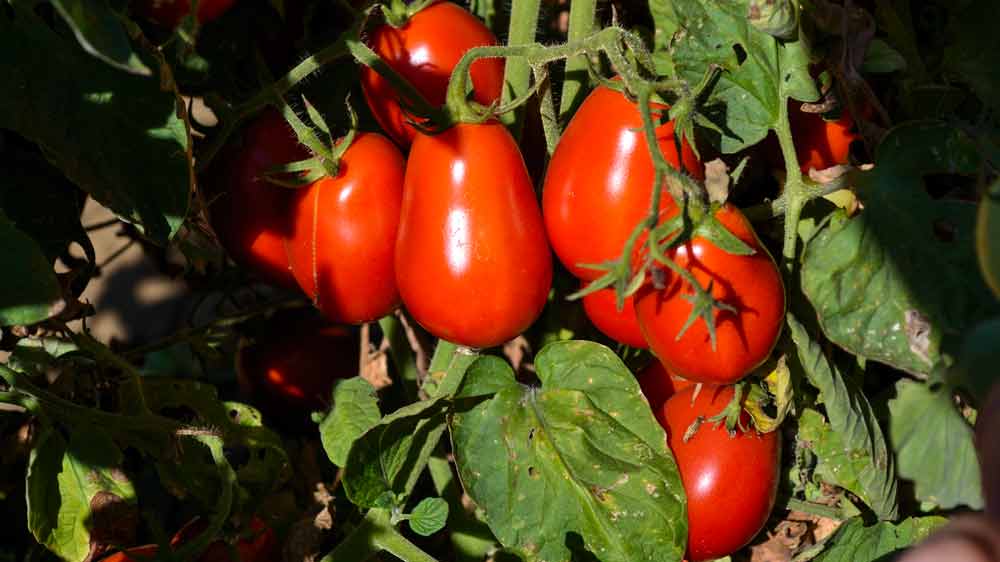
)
(796, 192)
(517, 72)
(581, 24)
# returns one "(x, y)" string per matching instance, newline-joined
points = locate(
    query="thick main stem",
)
(517, 72)
(581, 24)
(795, 188)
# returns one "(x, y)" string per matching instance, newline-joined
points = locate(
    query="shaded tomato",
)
(472, 261)
(288, 367)
(169, 13)
(341, 248)
(258, 545)
(658, 385)
(250, 215)
(730, 482)
(425, 50)
(819, 143)
(135, 554)
(750, 284)
(600, 180)
(619, 325)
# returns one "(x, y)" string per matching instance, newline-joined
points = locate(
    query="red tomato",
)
(341, 248)
(658, 385)
(619, 325)
(730, 483)
(819, 143)
(260, 545)
(136, 554)
(249, 214)
(472, 262)
(751, 284)
(600, 180)
(291, 365)
(169, 13)
(425, 50)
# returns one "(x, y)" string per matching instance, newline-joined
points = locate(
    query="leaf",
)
(355, 411)
(429, 516)
(579, 460)
(760, 72)
(975, 371)
(837, 463)
(70, 485)
(853, 542)
(934, 445)
(115, 135)
(988, 236)
(890, 289)
(855, 425)
(972, 57)
(386, 461)
(99, 31)
(880, 58)
(29, 291)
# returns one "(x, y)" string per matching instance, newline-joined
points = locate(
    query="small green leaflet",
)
(853, 542)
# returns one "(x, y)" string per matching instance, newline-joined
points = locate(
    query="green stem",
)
(517, 72)
(447, 368)
(470, 538)
(410, 97)
(223, 507)
(814, 509)
(581, 24)
(547, 110)
(373, 535)
(776, 208)
(795, 192)
(402, 354)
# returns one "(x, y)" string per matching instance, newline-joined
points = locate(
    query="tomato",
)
(169, 13)
(290, 365)
(341, 248)
(472, 261)
(819, 143)
(259, 545)
(658, 385)
(730, 483)
(249, 214)
(750, 284)
(425, 50)
(600, 180)
(619, 325)
(136, 554)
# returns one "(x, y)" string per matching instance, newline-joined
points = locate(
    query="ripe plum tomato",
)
(658, 385)
(599, 182)
(819, 143)
(730, 482)
(250, 215)
(472, 261)
(425, 50)
(341, 248)
(750, 284)
(169, 13)
(288, 366)
(619, 325)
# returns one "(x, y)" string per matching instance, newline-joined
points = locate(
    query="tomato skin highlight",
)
(600, 180)
(249, 214)
(730, 483)
(751, 284)
(425, 50)
(658, 385)
(619, 325)
(341, 249)
(472, 261)
(169, 13)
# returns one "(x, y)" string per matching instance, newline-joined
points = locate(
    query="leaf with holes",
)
(578, 462)
(897, 281)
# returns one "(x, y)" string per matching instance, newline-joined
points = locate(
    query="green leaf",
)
(988, 236)
(853, 542)
(934, 445)
(76, 490)
(355, 411)
(389, 457)
(99, 31)
(29, 291)
(429, 516)
(855, 425)
(836, 463)
(972, 57)
(892, 282)
(976, 368)
(880, 58)
(760, 72)
(115, 135)
(579, 460)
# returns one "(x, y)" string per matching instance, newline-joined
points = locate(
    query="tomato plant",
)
(730, 482)
(341, 245)
(620, 325)
(424, 50)
(744, 336)
(471, 232)
(591, 209)
(169, 13)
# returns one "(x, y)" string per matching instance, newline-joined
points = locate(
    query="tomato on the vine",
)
(249, 214)
(169, 13)
(341, 247)
(259, 545)
(472, 261)
(752, 285)
(620, 325)
(820, 143)
(730, 482)
(424, 51)
(289, 366)
(658, 385)
(600, 180)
